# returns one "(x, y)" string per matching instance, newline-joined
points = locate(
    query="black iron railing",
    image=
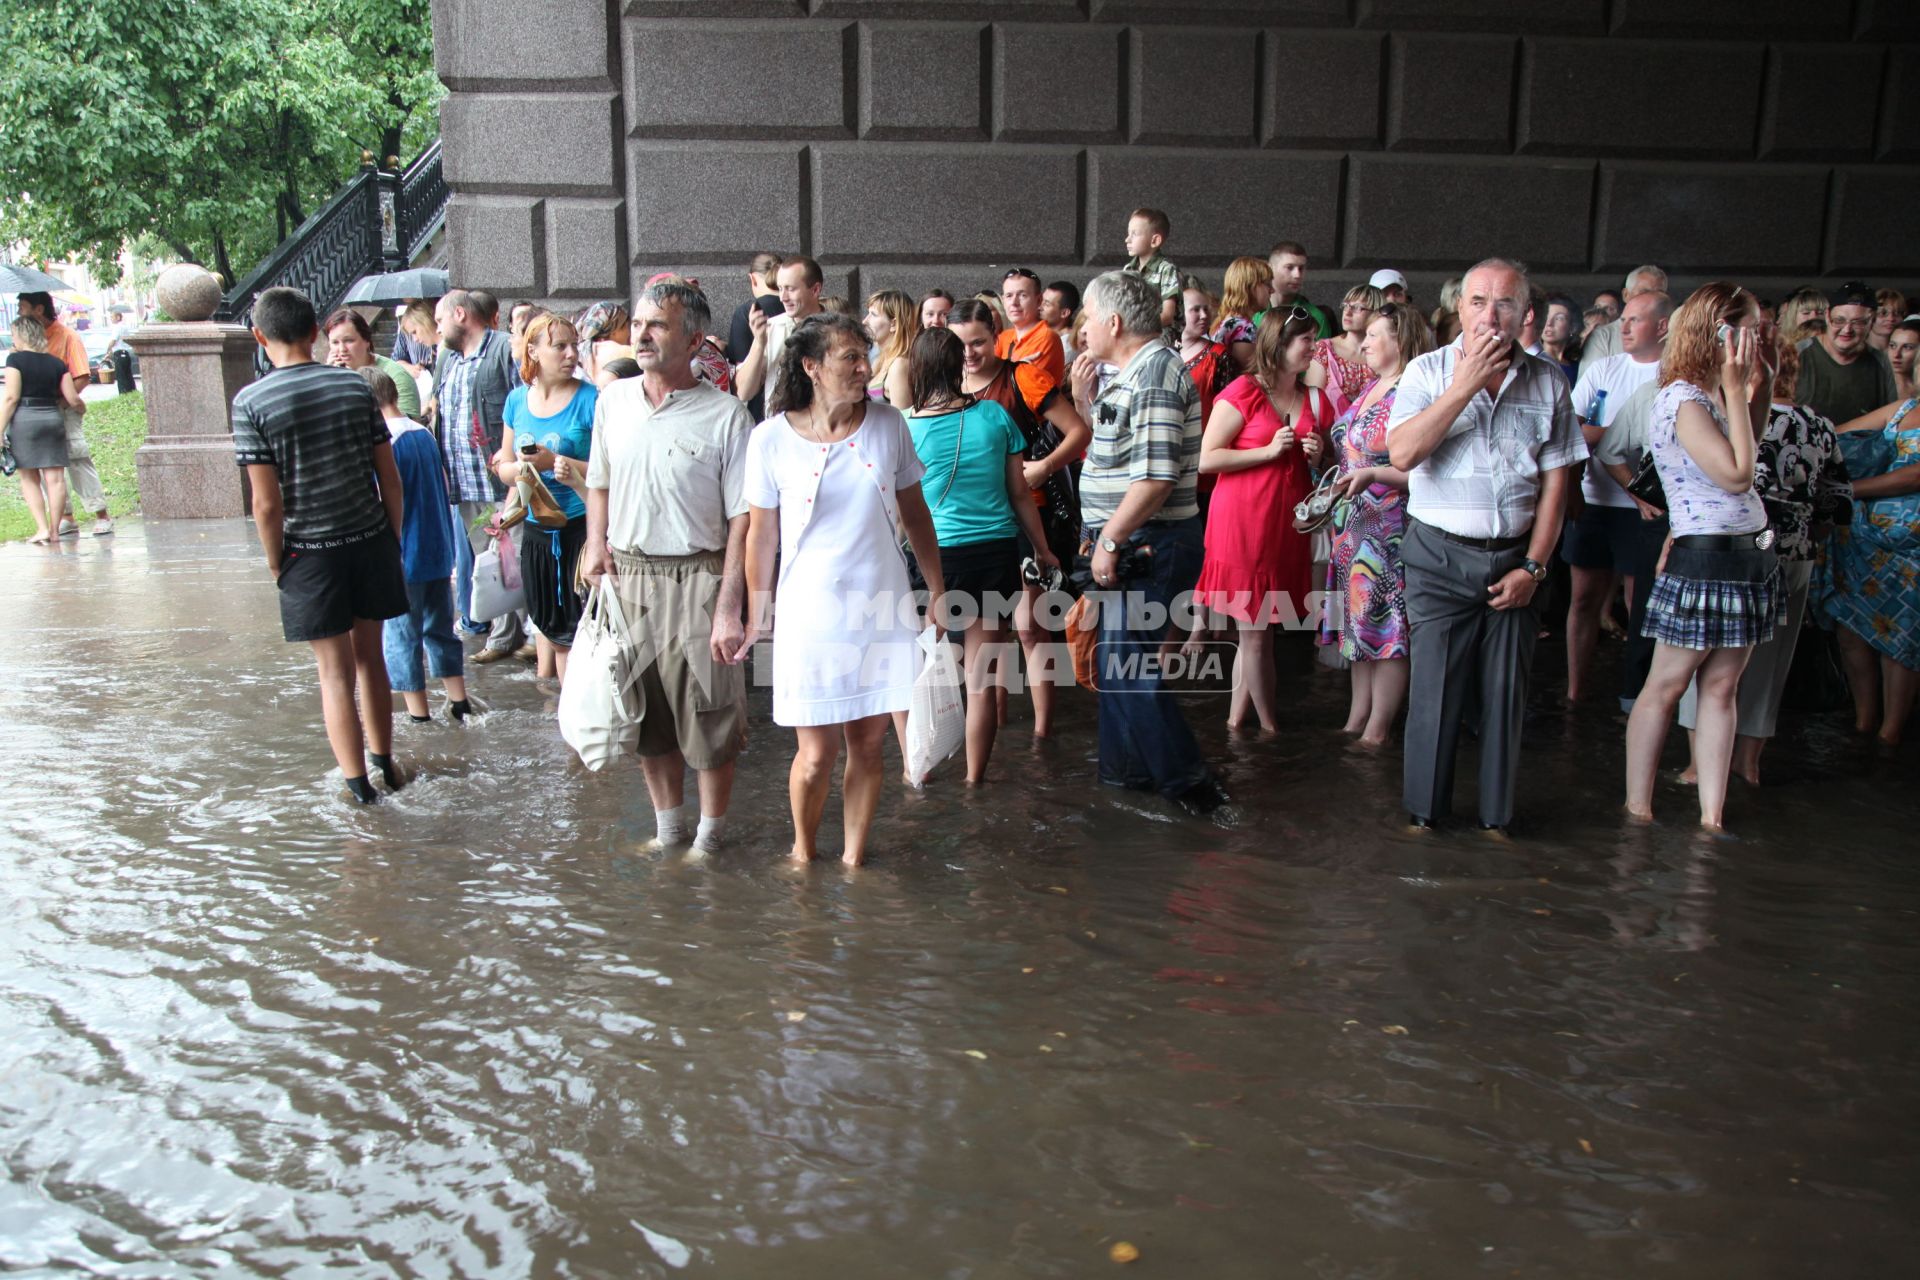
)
(377, 222)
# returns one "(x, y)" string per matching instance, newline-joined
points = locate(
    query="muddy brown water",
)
(249, 1030)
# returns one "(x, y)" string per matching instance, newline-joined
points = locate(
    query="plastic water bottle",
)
(1598, 407)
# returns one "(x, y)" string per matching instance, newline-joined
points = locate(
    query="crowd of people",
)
(1077, 484)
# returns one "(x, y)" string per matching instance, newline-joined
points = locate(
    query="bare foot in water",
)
(1689, 777)
(1369, 744)
(800, 855)
(1638, 818)
(853, 857)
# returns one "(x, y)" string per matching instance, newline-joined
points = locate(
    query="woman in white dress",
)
(833, 481)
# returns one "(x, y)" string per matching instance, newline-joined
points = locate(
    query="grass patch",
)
(116, 429)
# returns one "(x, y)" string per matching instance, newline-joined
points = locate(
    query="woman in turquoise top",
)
(549, 423)
(976, 487)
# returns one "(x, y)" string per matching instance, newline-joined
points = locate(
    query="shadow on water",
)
(481, 1031)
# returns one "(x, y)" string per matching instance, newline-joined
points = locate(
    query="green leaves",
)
(207, 124)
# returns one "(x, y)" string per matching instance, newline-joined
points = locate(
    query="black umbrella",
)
(23, 279)
(397, 286)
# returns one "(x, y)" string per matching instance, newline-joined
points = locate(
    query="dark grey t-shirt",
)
(318, 426)
(1842, 392)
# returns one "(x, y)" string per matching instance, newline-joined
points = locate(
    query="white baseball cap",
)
(1387, 276)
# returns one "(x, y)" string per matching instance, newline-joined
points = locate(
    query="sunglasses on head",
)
(1020, 273)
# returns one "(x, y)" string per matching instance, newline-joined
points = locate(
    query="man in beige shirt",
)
(667, 519)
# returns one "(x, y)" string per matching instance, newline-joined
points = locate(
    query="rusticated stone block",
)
(922, 80)
(1871, 228)
(1450, 92)
(737, 79)
(713, 202)
(1707, 98)
(1056, 83)
(1193, 85)
(1900, 111)
(552, 143)
(478, 43)
(1293, 13)
(1820, 102)
(951, 10)
(190, 373)
(1323, 88)
(1726, 219)
(962, 280)
(1222, 204)
(1730, 19)
(715, 8)
(1445, 214)
(493, 242)
(585, 249)
(726, 285)
(1887, 20)
(1581, 17)
(932, 201)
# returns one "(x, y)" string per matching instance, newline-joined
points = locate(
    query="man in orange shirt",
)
(1039, 364)
(83, 482)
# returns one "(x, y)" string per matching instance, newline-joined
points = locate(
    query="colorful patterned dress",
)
(1869, 581)
(1368, 611)
(1347, 380)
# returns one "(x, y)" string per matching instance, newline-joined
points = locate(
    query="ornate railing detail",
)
(377, 222)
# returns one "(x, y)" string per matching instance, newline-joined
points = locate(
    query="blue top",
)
(568, 433)
(965, 454)
(426, 535)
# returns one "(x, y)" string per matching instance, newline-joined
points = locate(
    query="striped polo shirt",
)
(1146, 426)
(318, 426)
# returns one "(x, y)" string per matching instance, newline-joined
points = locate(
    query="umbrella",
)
(23, 279)
(398, 286)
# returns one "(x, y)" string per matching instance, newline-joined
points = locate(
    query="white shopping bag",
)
(600, 700)
(497, 588)
(937, 719)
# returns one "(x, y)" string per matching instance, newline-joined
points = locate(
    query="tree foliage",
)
(214, 126)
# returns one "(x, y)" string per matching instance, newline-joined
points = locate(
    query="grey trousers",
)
(1458, 644)
(1765, 680)
(83, 482)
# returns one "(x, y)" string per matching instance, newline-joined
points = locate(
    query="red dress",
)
(1257, 569)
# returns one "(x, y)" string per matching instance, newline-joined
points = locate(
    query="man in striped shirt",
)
(1142, 521)
(1486, 434)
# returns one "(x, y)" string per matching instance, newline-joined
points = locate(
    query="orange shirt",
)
(1039, 365)
(64, 344)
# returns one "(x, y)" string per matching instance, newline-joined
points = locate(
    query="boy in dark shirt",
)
(327, 502)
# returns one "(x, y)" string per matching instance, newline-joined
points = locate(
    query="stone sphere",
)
(188, 292)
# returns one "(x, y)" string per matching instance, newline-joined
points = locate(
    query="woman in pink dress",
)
(1337, 363)
(1265, 435)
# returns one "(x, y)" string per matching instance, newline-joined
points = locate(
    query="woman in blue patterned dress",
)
(1870, 583)
(1367, 602)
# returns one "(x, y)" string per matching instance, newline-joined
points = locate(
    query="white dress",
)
(844, 628)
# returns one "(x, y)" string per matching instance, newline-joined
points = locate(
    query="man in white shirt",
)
(1602, 544)
(1605, 341)
(1486, 434)
(667, 518)
(799, 281)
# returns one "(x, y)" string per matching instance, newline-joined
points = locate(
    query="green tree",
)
(211, 125)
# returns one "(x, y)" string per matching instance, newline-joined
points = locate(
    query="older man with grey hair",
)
(667, 517)
(1141, 525)
(1485, 433)
(1605, 341)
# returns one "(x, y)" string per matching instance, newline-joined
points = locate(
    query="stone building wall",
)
(910, 143)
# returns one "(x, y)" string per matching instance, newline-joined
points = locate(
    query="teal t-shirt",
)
(568, 433)
(965, 453)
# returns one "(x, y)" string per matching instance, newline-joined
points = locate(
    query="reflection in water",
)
(253, 1030)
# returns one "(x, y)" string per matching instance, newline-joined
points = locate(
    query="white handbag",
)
(497, 588)
(600, 699)
(937, 717)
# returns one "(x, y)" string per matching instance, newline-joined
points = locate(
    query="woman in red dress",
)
(1266, 433)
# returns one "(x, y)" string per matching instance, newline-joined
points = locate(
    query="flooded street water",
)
(250, 1030)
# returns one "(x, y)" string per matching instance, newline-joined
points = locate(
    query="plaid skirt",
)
(1714, 598)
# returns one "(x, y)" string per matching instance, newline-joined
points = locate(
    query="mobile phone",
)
(770, 305)
(1724, 333)
(529, 449)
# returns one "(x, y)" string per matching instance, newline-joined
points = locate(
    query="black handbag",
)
(1645, 483)
(7, 464)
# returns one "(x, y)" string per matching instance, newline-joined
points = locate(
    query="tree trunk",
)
(221, 265)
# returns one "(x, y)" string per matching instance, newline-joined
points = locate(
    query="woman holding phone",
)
(1717, 594)
(549, 426)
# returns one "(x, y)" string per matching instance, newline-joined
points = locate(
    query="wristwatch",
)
(1535, 570)
(1109, 546)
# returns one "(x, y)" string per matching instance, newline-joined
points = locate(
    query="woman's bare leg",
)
(1032, 636)
(1896, 698)
(1667, 681)
(1713, 729)
(808, 783)
(36, 500)
(1360, 706)
(1863, 677)
(1390, 677)
(860, 787)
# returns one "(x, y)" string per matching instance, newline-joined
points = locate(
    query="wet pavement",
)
(250, 1030)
